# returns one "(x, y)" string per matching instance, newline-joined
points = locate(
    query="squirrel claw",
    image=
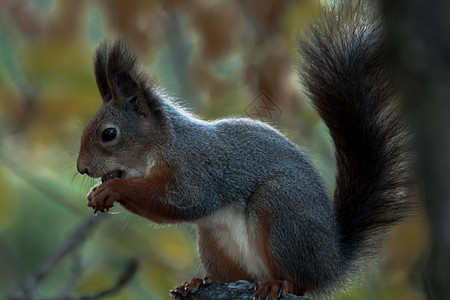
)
(102, 197)
(175, 296)
(272, 289)
(208, 280)
(187, 287)
(100, 210)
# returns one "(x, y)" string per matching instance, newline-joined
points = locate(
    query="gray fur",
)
(251, 167)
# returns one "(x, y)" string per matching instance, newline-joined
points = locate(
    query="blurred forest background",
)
(219, 58)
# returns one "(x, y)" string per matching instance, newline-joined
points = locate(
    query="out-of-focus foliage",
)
(217, 57)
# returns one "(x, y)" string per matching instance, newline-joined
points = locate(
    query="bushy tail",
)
(345, 71)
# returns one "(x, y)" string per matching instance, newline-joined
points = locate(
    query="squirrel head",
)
(122, 139)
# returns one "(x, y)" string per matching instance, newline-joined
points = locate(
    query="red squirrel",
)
(260, 206)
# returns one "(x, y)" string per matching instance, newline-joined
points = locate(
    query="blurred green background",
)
(217, 58)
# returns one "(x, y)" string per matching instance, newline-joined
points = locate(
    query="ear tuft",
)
(121, 81)
(101, 55)
(120, 72)
(120, 57)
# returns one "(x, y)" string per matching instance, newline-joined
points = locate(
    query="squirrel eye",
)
(109, 134)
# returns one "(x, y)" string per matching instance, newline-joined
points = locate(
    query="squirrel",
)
(261, 208)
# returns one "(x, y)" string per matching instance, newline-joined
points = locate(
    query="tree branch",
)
(230, 291)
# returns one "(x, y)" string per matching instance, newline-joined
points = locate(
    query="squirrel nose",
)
(82, 169)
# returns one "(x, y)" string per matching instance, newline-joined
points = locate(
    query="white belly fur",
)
(236, 237)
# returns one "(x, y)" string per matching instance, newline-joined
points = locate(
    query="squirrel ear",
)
(127, 85)
(120, 73)
(100, 57)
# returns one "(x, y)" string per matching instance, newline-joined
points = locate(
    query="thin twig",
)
(124, 278)
(77, 271)
(72, 243)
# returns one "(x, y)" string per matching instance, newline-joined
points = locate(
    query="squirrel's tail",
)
(345, 71)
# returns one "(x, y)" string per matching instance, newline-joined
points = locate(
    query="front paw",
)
(187, 287)
(272, 289)
(102, 196)
(90, 195)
